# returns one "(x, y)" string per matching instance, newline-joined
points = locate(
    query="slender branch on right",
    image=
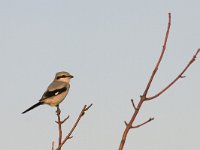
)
(160, 58)
(129, 125)
(176, 79)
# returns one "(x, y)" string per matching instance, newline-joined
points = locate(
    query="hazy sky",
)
(110, 46)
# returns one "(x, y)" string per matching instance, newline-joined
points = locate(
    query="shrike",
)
(56, 91)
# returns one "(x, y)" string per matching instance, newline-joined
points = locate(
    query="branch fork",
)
(144, 97)
(137, 126)
(61, 141)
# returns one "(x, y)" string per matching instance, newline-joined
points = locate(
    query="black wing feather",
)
(48, 94)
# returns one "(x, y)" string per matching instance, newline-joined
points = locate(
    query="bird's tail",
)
(36, 105)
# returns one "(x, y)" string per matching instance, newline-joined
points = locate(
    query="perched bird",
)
(56, 91)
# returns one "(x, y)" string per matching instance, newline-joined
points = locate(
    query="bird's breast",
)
(55, 100)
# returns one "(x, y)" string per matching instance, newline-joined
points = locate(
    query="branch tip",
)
(182, 76)
(151, 118)
(169, 15)
(88, 107)
(65, 119)
(137, 126)
(126, 123)
(133, 104)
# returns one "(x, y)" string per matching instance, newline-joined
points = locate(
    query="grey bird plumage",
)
(56, 91)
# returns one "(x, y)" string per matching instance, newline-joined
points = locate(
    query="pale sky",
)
(111, 47)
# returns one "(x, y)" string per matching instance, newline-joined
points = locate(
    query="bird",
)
(56, 91)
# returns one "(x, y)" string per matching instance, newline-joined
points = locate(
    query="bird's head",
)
(63, 76)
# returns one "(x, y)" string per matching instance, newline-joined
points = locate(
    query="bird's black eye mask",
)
(63, 76)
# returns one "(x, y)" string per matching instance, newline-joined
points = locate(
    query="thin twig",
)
(177, 78)
(126, 123)
(143, 97)
(84, 109)
(87, 107)
(150, 119)
(65, 119)
(160, 58)
(133, 104)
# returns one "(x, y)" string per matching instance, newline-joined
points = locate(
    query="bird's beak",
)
(71, 76)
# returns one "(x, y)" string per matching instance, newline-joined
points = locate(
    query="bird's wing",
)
(54, 89)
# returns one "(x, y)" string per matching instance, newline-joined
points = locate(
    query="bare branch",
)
(65, 120)
(161, 56)
(150, 119)
(143, 97)
(84, 109)
(59, 126)
(177, 78)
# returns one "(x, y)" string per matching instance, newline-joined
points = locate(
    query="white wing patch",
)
(56, 93)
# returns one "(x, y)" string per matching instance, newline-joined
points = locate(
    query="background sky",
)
(111, 47)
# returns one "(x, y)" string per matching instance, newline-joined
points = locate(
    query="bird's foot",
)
(58, 110)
